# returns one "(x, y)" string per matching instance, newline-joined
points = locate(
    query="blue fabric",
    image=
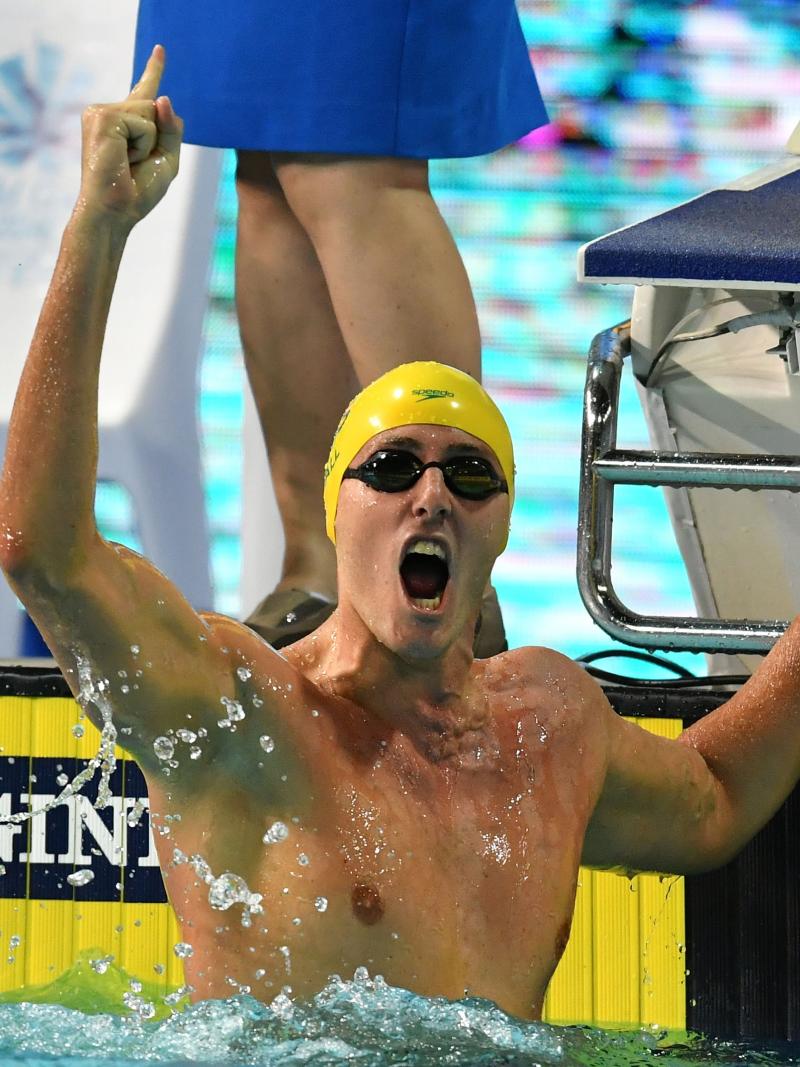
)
(421, 78)
(734, 235)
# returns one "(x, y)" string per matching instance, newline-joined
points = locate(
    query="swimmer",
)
(373, 795)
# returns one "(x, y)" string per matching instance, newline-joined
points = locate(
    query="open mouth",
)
(424, 573)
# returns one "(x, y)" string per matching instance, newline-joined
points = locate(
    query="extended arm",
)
(689, 805)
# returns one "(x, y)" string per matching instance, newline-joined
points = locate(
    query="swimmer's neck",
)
(429, 699)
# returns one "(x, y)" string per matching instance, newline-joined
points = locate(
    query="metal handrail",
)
(603, 466)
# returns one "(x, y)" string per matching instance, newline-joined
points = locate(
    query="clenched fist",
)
(130, 150)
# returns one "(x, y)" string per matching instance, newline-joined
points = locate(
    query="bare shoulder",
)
(235, 701)
(256, 681)
(550, 706)
(553, 683)
(248, 654)
(556, 706)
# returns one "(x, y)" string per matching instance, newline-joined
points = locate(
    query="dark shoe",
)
(490, 634)
(285, 616)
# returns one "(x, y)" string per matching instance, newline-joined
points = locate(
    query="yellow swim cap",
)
(416, 394)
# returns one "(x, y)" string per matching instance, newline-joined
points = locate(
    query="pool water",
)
(363, 1021)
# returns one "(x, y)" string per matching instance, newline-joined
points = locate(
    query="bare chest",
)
(463, 880)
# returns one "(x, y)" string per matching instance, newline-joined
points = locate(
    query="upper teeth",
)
(427, 548)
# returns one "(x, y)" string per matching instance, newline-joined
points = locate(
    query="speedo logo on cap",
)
(431, 394)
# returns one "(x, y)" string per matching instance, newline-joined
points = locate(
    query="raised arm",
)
(690, 805)
(130, 156)
(100, 607)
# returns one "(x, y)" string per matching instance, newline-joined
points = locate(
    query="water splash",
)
(92, 693)
(364, 1021)
(225, 890)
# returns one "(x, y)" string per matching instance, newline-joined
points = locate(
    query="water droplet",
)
(135, 650)
(164, 748)
(135, 814)
(303, 859)
(266, 743)
(145, 1009)
(226, 890)
(244, 673)
(321, 903)
(201, 869)
(279, 831)
(183, 950)
(314, 713)
(101, 965)
(81, 877)
(233, 708)
(124, 689)
(281, 1005)
(189, 736)
(77, 731)
(62, 779)
(195, 752)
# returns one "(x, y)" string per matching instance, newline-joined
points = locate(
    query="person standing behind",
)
(344, 265)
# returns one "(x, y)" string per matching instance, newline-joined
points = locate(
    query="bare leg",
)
(297, 363)
(395, 277)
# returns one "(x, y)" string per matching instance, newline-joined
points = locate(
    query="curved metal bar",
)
(595, 521)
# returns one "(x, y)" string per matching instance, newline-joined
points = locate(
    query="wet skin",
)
(445, 835)
(449, 865)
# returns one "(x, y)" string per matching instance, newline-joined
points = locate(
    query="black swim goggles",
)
(392, 471)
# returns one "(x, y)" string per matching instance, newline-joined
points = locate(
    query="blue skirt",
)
(429, 79)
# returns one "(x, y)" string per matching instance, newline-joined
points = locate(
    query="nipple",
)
(367, 904)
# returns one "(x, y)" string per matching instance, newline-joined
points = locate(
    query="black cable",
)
(646, 657)
(669, 683)
(718, 332)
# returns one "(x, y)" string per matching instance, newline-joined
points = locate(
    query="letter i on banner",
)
(50, 908)
(97, 845)
(15, 746)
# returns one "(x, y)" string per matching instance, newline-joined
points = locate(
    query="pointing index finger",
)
(147, 86)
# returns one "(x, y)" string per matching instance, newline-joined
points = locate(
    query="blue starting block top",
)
(746, 235)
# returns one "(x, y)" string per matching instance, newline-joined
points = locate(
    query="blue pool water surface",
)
(359, 1022)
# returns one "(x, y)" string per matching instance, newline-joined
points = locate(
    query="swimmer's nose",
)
(431, 497)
